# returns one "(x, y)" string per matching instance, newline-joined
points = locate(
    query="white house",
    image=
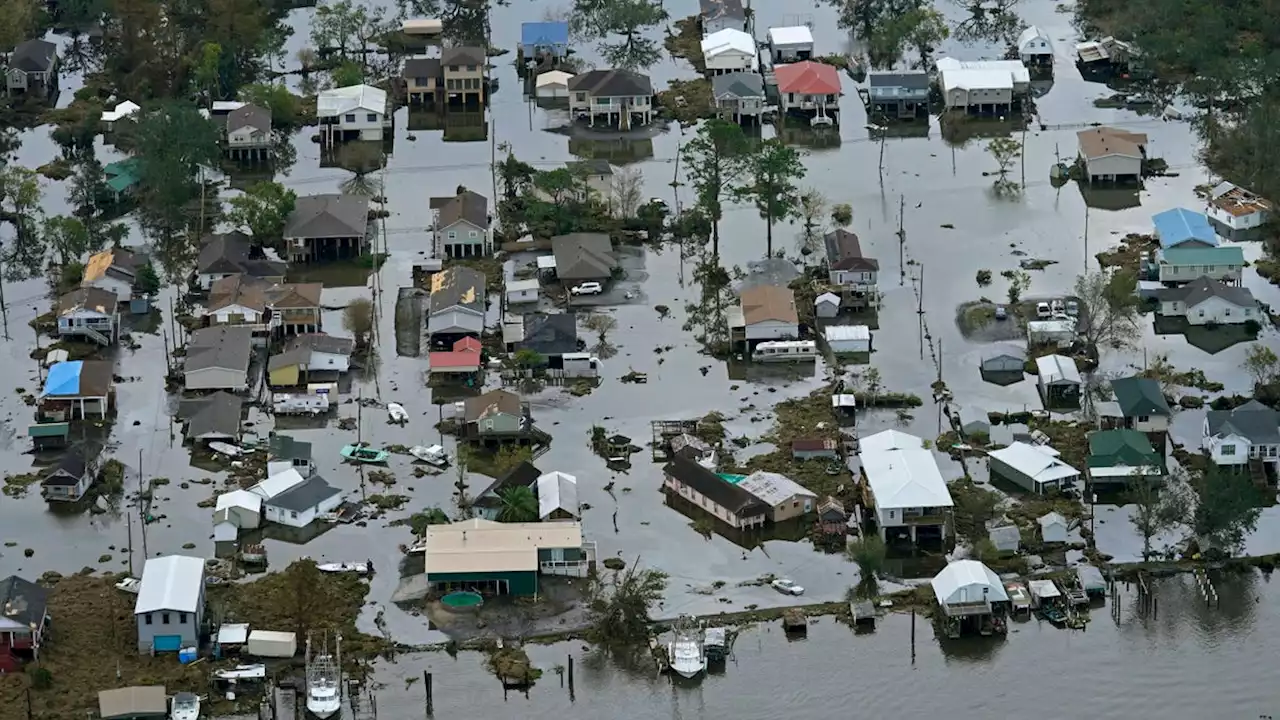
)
(119, 112)
(716, 15)
(768, 312)
(1234, 437)
(1034, 47)
(1208, 302)
(1053, 527)
(278, 483)
(1237, 208)
(1032, 467)
(848, 338)
(243, 508)
(906, 487)
(558, 497)
(1184, 263)
(552, 85)
(302, 504)
(89, 312)
(964, 584)
(1061, 333)
(729, 51)
(1018, 72)
(790, 44)
(170, 607)
(1111, 154)
(1059, 378)
(248, 131)
(357, 110)
(522, 291)
(978, 90)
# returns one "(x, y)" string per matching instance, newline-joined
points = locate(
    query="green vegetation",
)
(619, 604)
(714, 163)
(869, 554)
(621, 29)
(358, 319)
(263, 210)
(772, 172)
(1227, 512)
(519, 504)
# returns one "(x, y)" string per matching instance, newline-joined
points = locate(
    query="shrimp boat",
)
(685, 653)
(185, 706)
(324, 682)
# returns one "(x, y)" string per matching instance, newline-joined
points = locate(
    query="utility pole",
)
(902, 240)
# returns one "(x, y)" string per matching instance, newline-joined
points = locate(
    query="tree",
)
(419, 522)
(21, 19)
(926, 30)
(68, 238)
(813, 216)
(629, 19)
(285, 107)
(263, 210)
(842, 214)
(519, 504)
(301, 603)
(773, 169)
(347, 74)
(1108, 310)
(1154, 511)
(602, 324)
(20, 196)
(208, 72)
(1262, 364)
(714, 162)
(148, 281)
(1227, 511)
(336, 26)
(626, 192)
(170, 143)
(357, 318)
(618, 608)
(528, 358)
(1004, 150)
(1019, 281)
(869, 554)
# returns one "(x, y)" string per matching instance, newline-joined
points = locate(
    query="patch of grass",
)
(383, 501)
(1133, 247)
(17, 485)
(687, 101)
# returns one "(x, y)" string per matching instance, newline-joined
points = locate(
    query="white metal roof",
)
(233, 634)
(847, 332)
(905, 479)
(1052, 518)
(1035, 463)
(226, 106)
(1033, 33)
(339, 101)
(123, 110)
(1051, 326)
(172, 582)
(522, 285)
(422, 25)
(828, 298)
(478, 545)
(242, 499)
(966, 581)
(274, 636)
(976, 79)
(278, 484)
(773, 488)
(557, 491)
(553, 77)
(1056, 369)
(1043, 589)
(1018, 72)
(794, 35)
(726, 40)
(889, 440)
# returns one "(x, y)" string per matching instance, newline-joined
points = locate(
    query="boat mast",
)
(338, 674)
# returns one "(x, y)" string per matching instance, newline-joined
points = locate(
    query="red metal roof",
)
(467, 344)
(807, 78)
(442, 360)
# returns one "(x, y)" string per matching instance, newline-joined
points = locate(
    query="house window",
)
(453, 68)
(182, 618)
(892, 513)
(1226, 312)
(453, 234)
(1144, 418)
(372, 117)
(351, 117)
(474, 234)
(1200, 313)
(164, 618)
(471, 68)
(419, 81)
(293, 514)
(148, 618)
(1228, 450)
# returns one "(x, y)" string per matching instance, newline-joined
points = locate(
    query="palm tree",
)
(519, 504)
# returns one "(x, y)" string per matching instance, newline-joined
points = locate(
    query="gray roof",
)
(1203, 288)
(612, 83)
(550, 334)
(525, 474)
(1005, 358)
(285, 447)
(583, 256)
(23, 601)
(1253, 421)
(463, 55)
(215, 415)
(258, 118)
(458, 286)
(711, 9)
(323, 342)
(738, 84)
(421, 67)
(132, 702)
(844, 252)
(592, 166)
(467, 205)
(232, 253)
(219, 347)
(328, 216)
(909, 80)
(305, 496)
(33, 56)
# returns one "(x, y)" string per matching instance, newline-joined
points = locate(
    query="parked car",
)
(588, 288)
(786, 587)
(1073, 308)
(1001, 313)
(1057, 308)
(1042, 310)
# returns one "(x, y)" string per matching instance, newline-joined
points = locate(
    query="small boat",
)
(227, 449)
(685, 653)
(255, 671)
(364, 454)
(185, 706)
(430, 454)
(397, 413)
(1053, 614)
(130, 585)
(359, 568)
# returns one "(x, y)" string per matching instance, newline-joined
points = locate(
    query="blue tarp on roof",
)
(1180, 225)
(545, 34)
(64, 379)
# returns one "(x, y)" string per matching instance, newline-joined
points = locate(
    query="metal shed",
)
(1091, 580)
(1059, 379)
(848, 338)
(827, 305)
(1006, 359)
(1053, 527)
(1005, 538)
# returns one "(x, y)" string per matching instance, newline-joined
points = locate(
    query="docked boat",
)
(430, 454)
(397, 413)
(324, 682)
(185, 706)
(364, 454)
(359, 568)
(227, 449)
(685, 654)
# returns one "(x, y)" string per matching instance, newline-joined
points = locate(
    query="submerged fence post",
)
(571, 692)
(913, 636)
(427, 683)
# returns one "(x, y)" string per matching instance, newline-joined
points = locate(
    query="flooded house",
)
(284, 452)
(1058, 379)
(1098, 58)
(987, 87)
(136, 702)
(68, 480)
(1054, 528)
(728, 51)
(623, 98)
(488, 502)
(552, 85)
(903, 487)
(1180, 227)
(277, 308)
(898, 95)
(1248, 435)
(302, 504)
(713, 494)
(852, 273)
(1185, 264)
(1139, 405)
(545, 43)
(826, 306)
(499, 418)
(789, 44)
(1237, 208)
(1060, 333)
(848, 339)
(584, 257)
(717, 15)
(213, 417)
(32, 69)
(224, 255)
(218, 359)
(558, 497)
(970, 597)
(462, 360)
(464, 68)
(121, 110)
(1004, 362)
(310, 358)
(692, 447)
(89, 313)
(809, 89)
(550, 335)
(785, 498)
(1036, 468)
(248, 133)
(170, 607)
(504, 558)
(327, 227)
(423, 78)
(1112, 155)
(22, 627)
(739, 95)
(815, 449)
(1035, 48)
(356, 112)
(764, 313)
(461, 225)
(457, 306)
(833, 519)
(114, 270)
(1206, 301)
(1118, 456)
(77, 389)
(242, 508)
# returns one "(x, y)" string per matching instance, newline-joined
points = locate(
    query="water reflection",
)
(466, 127)
(1110, 198)
(617, 150)
(1211, 339)
(794, 132)
(958, 129)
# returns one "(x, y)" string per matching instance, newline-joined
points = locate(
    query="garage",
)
(167, 643)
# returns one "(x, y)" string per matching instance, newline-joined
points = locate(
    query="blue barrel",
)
(187, 655)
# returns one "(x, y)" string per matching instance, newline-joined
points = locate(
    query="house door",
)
(167, 643)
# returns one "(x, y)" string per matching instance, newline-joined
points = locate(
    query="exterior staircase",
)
(94, 335)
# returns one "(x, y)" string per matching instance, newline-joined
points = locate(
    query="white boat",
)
(225, 449)
(397, 413)
(685, 654)
(130, 585)
(324, 682)
(256, 671)
(360, 568)
(185, 706)
(432, 454)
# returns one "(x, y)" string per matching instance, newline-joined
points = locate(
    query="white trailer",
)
(299, 404)
(272, 644)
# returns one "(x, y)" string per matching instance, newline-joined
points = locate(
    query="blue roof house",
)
(1181, 227)
(78, 388)
(544, 38)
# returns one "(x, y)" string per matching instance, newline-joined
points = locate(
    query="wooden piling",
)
(571, 692)
(427, 683)
(913, 636)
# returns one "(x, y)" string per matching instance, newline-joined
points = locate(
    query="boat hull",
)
(324, 712)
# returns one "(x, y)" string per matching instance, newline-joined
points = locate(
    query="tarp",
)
(64, 379)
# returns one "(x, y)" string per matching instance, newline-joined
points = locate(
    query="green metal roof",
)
(1109, 448)
(1204, 256)
(49, 430)
(1138, 396)
(731, 478)
(122, 174)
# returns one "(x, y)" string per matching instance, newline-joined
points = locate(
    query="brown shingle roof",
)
(464, 55)
(1103, 141)
(844, 252)
(470, 206)
(769, 302)
(494, 401)
(89, 298)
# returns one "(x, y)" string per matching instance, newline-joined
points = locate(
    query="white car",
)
(588, 288)
(1042, 310)
(786, 587)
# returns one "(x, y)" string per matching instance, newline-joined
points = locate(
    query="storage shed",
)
(827, 305)
(1059, 379)
(130, 703)
(1061, 333)
(1053, 528)
(1005, 538)
(967, 587)
(1032, 467)
(272, 644)
(1004, 359)
(844, 339)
